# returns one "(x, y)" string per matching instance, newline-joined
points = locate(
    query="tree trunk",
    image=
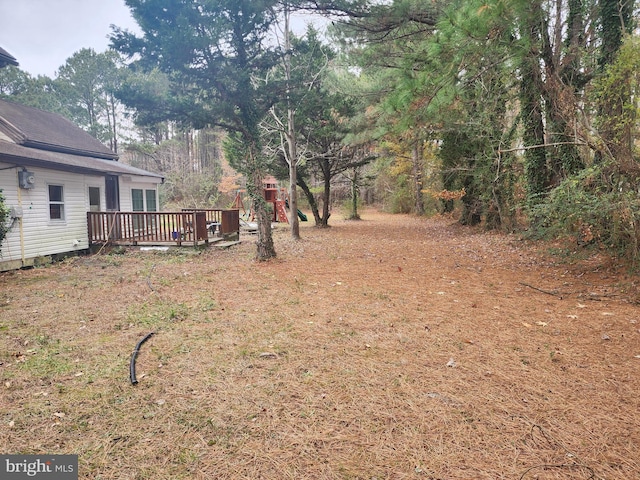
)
(416, 158)
(311, 199)
(615, 18)
(471, 203)
(114, 124)
(535, 166)
(291, 135)
(293, 176)
(265, 249)
(354, 196)
(264, 246)
(326, 201)
(293, 202)
(616, 130)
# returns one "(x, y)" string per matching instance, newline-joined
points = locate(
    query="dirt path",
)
(391, 348)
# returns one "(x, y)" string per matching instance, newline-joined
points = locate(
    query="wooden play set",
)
(277, 196)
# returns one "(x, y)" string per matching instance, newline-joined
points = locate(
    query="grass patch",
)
(274, 370)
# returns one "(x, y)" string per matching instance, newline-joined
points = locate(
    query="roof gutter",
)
(33, 162)
(56, 148)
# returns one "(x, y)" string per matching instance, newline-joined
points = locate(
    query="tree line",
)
(525, 111)
(519, 115)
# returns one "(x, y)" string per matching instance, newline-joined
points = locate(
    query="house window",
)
(94, 199)
(143, 200)
(112, 193)
(151, 200)
(137, 200)
(56, 202)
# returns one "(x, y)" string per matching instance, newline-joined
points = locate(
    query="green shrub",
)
(598, 206)
(4, 220)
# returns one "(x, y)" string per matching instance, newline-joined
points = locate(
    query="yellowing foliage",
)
(446, 194)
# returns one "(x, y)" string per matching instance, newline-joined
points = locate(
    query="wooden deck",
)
(184, 228)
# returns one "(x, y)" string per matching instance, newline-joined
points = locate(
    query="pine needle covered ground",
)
(388, 348)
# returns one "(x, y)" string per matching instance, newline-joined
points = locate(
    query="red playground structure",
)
(274, 195)
(277, 197)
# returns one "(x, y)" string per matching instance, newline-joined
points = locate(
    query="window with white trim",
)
(150, 197)
(56, 202)
(94, 199)
(137, 200)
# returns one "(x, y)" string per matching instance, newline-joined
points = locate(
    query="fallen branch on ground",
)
(554, 293)
(132, 364)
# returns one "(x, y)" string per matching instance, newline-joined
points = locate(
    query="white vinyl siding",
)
(142, 187)
(42, 236)
(10, 248)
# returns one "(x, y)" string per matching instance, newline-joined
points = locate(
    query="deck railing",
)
(189, 227)
(213, 215)
(227, 221)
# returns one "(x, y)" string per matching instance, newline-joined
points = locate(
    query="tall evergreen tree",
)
(216, 55)
(86, 85)
(536, 169)
(39, 92)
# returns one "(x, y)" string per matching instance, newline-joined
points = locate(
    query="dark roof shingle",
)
(36, 128)
(33, 137)
(7, 59)
(26, 156)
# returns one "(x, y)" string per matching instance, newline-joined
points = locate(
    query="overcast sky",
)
(43, 34)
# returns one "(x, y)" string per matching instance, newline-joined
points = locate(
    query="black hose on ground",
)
(132, 364)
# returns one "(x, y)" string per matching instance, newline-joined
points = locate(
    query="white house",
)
(51, 174)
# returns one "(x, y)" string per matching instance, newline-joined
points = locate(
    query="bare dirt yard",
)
(389, 348)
